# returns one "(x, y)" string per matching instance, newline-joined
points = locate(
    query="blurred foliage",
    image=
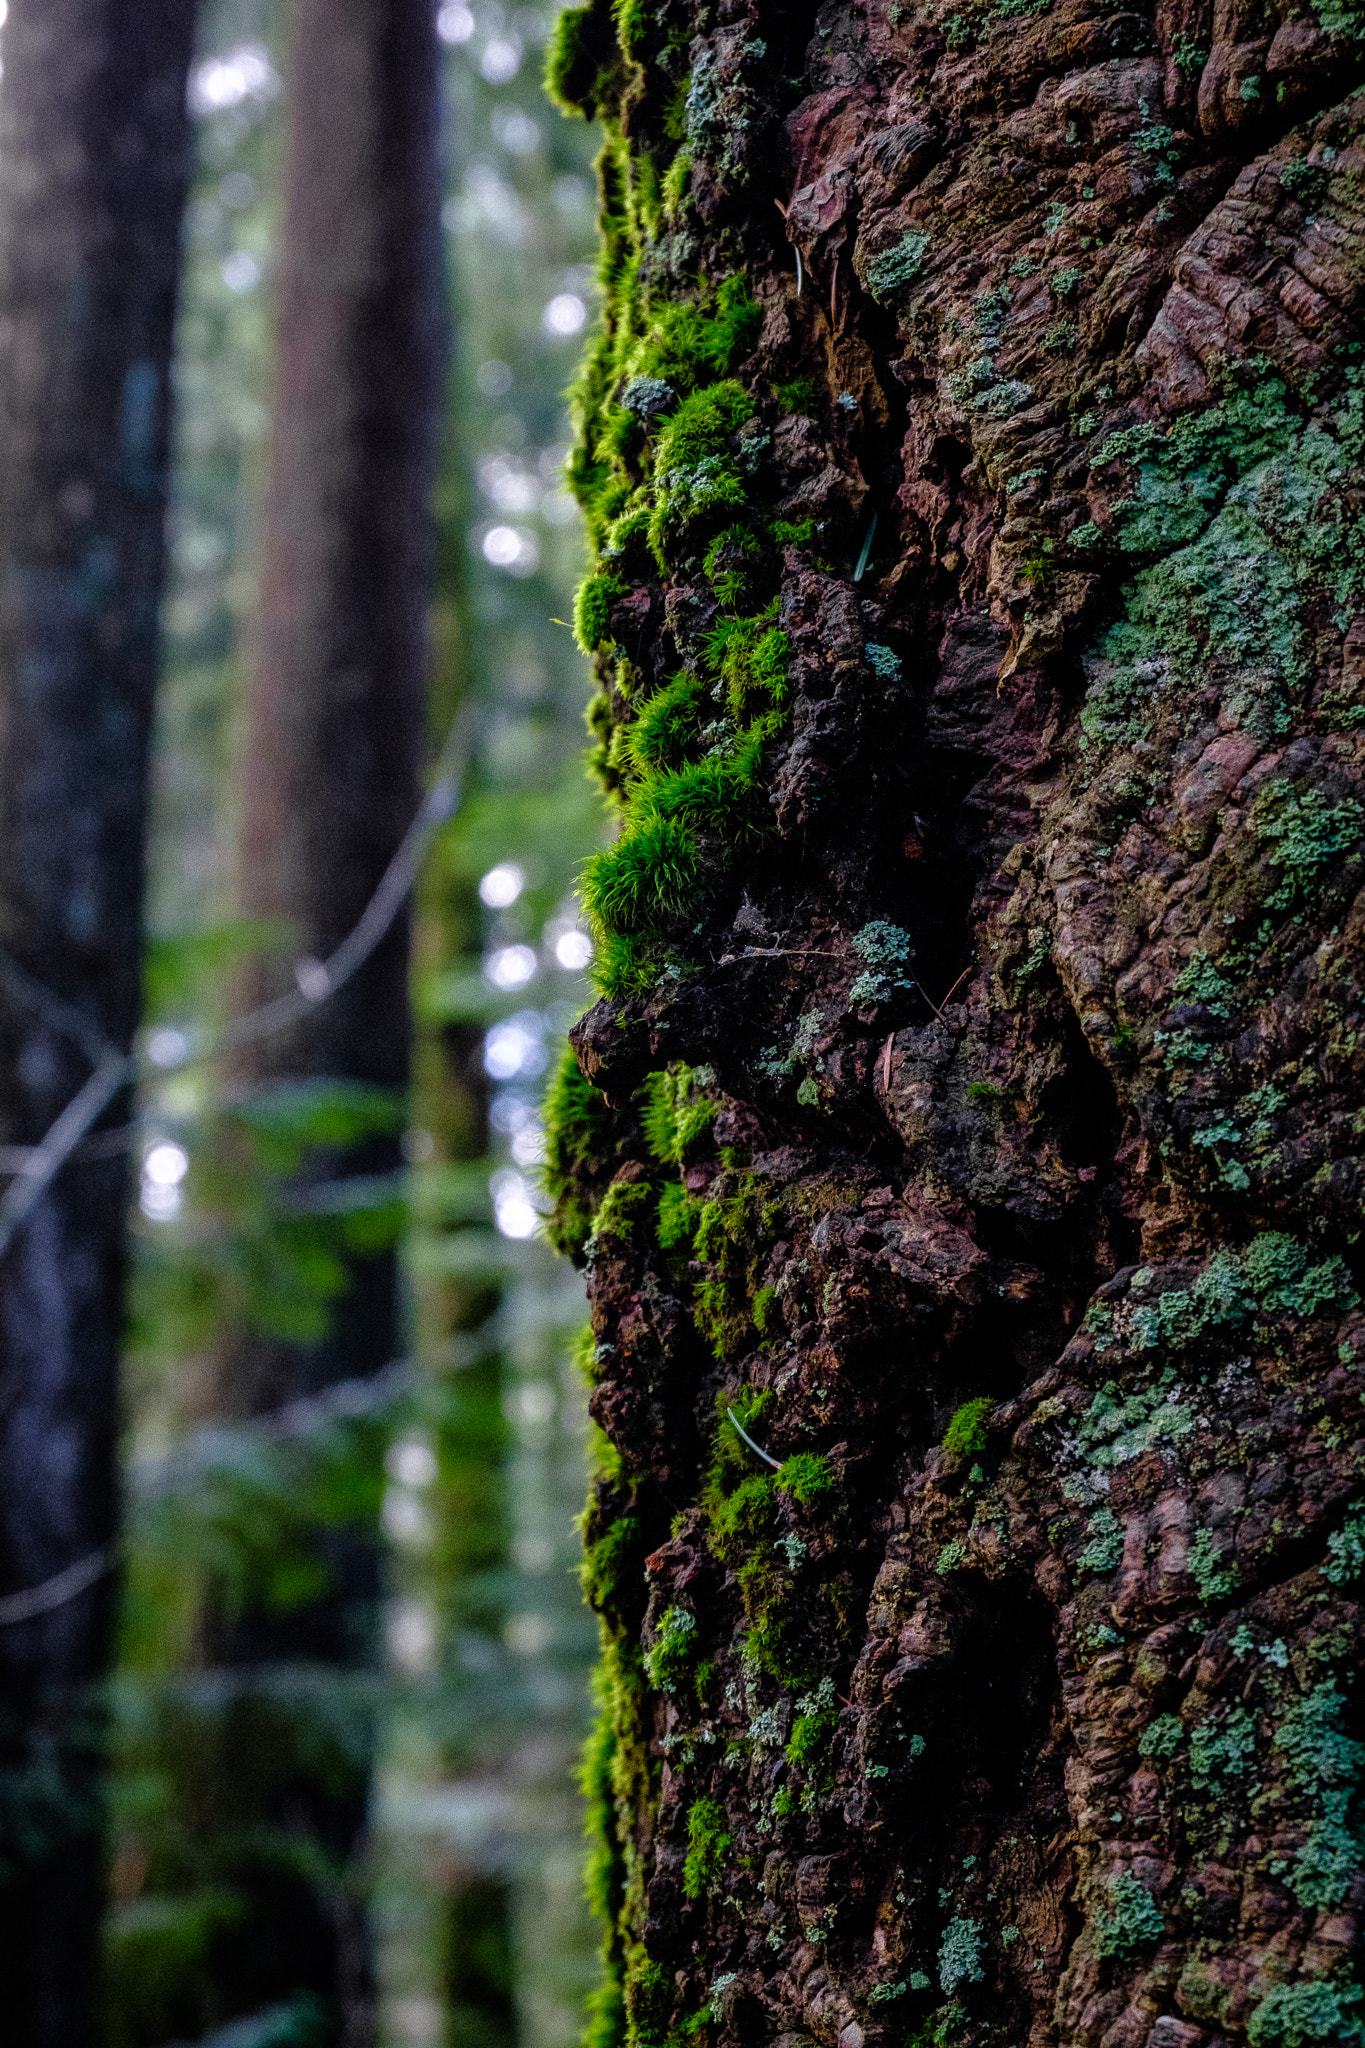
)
(245, 1734)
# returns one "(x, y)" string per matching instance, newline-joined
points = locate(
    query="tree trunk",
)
(337, 709)
(972, 453)
(93, 164)
(336, 724)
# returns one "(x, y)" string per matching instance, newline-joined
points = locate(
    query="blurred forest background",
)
(315, 1831)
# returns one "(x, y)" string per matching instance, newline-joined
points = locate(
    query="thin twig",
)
(958, 983)
(867, 550)
(116, 1070)
(800, 277)
(776, 1463)
(55, 1592)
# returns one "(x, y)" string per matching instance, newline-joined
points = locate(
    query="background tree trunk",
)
(979, 609)
(336, 719)
(93, 158)
(335, 731)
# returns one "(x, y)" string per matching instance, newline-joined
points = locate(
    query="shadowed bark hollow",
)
(93, 165)
(972, 458)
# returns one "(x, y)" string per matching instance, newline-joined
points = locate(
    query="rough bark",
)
(93, 164)
(972, 1108)
(336, 719)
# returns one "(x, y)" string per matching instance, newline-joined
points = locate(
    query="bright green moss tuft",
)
(809, 1739)
(965, 1436)
(592, 605)
(650, 880)
(709, 1841)
(678, 1215)
(805, 1477)
(702, 424)
(673, 1116)
(579, 43)
(675, 1648)
(580, 1134)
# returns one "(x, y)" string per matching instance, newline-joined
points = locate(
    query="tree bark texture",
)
(93, 164)
(337, 708)
(972, 456)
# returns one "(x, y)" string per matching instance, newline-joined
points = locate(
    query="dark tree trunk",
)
(336, 725)
(336, 715)
(93, 160)
(974, 455)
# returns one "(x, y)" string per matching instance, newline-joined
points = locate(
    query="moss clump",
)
(805, 1477)
(675, 1647)
(809, 1739)
(1306, 2016)
(592, 604)
(965, 1436)
(625, 1206)
(580, 1155)
(1133, 1920)
(577, 57)
(605, 1562)
(678, 1214)
(709, 1842)
(734, 1232)
(673, 1115)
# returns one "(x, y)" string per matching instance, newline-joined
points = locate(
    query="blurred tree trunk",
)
(337, 711)
(93, 163)
(336, 718)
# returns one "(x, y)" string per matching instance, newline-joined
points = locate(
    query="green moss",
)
(580, 1154)
(1306, 2016)
(805, 1476)
(624, 1207)
(678, 1215)
(965, 1436)
(809, 1740)
(709, 1842)
(740, 1519)
(606, 1561)
(675, 1648)
(614, 1777)
(1133, 1920)
(1221, 1749)
(734, 1233)
(592, 605)
(1306, 833)
(1161, 1738)
(579, 43)
(673, 1115)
